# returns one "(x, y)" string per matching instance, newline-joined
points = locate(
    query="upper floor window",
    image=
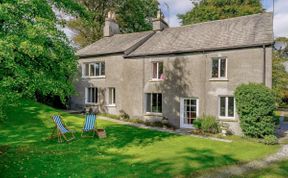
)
(154, 102)
(219, 68)
(227, 106)
(94, 69)
(157, 71)
(91, 95)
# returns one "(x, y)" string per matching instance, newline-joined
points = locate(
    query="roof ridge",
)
(131, 33)
(213, 21)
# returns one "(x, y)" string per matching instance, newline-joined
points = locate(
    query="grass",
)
(275, 170)
(126, 152)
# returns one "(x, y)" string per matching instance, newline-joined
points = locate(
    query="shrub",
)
(209, 124)
(270, 140)
(124, 115)
(255, 105)
(197, 123)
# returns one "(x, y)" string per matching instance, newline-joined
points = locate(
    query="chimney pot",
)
(111, 27)
(159, 23)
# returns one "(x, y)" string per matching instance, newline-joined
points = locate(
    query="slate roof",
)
(245, 31)
(236, 32)
(115, 44)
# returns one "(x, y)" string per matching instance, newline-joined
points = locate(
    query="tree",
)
(279, 74)
(132, 16)
(35, 56)
(208, 10)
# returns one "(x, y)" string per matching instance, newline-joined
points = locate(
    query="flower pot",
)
(101, 133)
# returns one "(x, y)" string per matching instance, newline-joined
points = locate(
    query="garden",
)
(25, 149)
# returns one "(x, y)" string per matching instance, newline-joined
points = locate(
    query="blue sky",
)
(182, 6)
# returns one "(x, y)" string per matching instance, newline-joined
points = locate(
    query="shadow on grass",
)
(92, 162)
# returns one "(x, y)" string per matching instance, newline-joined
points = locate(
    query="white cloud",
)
(175, 7)
(281, 25)
(280, 18)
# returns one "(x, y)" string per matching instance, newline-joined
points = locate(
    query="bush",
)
(124, 115)
(209, 124)
(255, 106)
(270, 140)
(197, 123)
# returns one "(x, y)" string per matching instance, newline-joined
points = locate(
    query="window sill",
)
(156, 80)
(92, 104)
(218, 79)
(153, 114)
(111, 105)
(227, 119)
(94, 77)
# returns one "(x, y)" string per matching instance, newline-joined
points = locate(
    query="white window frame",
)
(87, 95)
(93, 76)
(113, 97)
(219, 68)
(157, 70)
(226, 107)
(151, 103)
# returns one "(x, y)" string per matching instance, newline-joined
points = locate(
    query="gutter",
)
(264, 65)
(96, 55)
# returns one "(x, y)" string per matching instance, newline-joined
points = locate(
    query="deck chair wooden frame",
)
(62, 130)
(89, 126)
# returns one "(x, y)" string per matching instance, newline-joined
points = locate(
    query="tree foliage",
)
(208, 10)
(279, 74)
(35, 56)
(255, 105)
(132, 16)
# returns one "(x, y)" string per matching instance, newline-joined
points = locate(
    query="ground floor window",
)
(91, 94)
(190, 110)
(154, 102)
(111, 96)
(227, 106)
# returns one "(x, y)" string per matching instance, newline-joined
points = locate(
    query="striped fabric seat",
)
(59, 124)
(89, 122)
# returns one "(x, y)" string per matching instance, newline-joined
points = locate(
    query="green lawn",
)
(126, 152)
(276, 170)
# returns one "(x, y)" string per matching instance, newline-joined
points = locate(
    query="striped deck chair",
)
(89, 125)
(62, 130)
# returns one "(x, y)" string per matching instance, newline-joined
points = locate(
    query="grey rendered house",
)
(176, 73)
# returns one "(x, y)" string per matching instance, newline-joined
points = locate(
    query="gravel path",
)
(238, 170)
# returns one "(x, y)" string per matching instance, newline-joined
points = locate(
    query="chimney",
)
(159, 23)
(111, 27)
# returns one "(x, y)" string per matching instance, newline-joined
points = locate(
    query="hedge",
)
(255, 105)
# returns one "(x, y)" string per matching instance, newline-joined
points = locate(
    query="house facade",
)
(176, 73)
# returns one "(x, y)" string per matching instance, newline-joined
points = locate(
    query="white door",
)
(188, 111)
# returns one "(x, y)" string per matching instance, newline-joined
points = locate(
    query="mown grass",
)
(126, 152)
